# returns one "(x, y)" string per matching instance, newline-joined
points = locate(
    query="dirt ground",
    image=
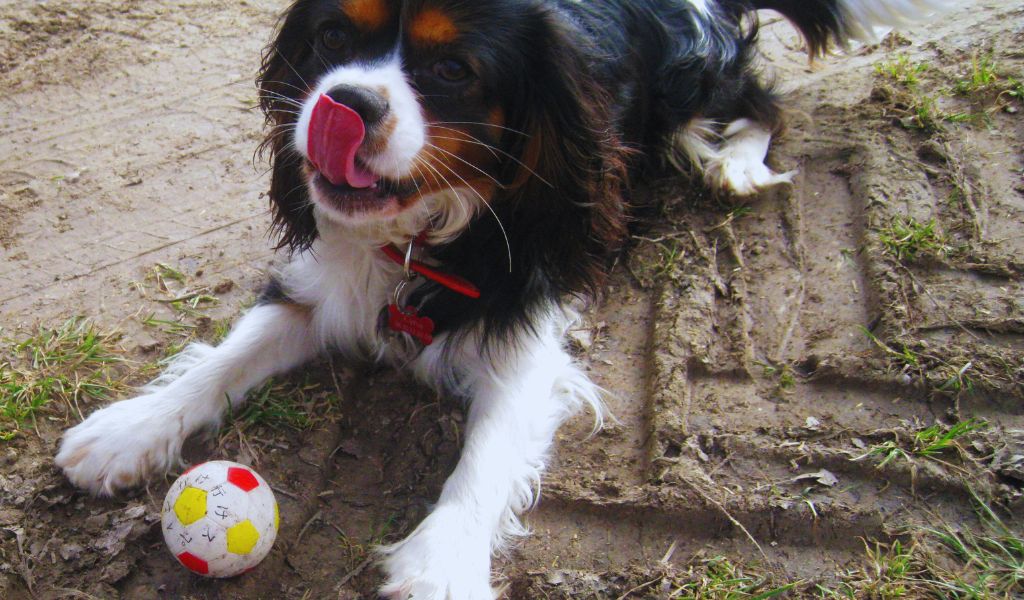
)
(762, 360)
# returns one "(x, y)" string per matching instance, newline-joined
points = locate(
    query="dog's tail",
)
(825, 22)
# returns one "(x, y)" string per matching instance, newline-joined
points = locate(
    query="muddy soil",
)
(754, 354)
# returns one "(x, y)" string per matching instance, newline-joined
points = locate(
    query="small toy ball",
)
(220, 519)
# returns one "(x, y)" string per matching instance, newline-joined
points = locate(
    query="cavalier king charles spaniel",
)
(447, 174)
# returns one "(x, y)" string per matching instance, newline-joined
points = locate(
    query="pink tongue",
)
(335, 133)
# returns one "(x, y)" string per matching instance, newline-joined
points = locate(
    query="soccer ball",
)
(220, 519)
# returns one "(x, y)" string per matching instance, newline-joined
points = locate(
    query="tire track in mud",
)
(695, 339)
(766, 394)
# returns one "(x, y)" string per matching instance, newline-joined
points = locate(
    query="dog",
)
(446, 177)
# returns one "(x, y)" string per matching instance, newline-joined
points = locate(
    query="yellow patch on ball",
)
(242, 538)
(190, 505)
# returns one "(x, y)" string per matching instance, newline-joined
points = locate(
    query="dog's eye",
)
(332, 38)
(451, 70)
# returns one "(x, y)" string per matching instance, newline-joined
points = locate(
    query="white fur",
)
(871, 19)
(517, 404)
(733, 161)
(695, 145)
(700, 5)
(405, 143)
(518, 398)
(518, 394)
(121, 445)
(446, 213)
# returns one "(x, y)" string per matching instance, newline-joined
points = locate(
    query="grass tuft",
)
(284, 404)
(981, 77)
(67, 364)
(989, 560)
(927, 443)
(1014, 89)
(718, 577)
(902, 70)
(905, 239)
(784, 376)
(963, 561)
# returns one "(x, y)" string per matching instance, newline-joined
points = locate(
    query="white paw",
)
(121, 445)
(445, 558)
(744, 177)
(738, 165)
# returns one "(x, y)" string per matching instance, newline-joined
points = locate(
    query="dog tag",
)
(409, 321)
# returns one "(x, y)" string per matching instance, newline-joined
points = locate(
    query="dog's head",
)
(477, 121)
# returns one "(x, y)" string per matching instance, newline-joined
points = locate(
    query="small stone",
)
(822, 477)
(10, 516)
(71, 551)
(582, 338)
(146, 343)
(932, 151)
(224, 287)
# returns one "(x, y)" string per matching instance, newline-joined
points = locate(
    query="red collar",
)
(452, 282)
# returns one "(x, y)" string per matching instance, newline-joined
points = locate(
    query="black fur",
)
(599, 87)
(273, 292)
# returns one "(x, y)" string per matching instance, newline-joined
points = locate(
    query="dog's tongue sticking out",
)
(335, 134)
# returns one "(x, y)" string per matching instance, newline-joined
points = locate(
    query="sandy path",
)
(734, 347)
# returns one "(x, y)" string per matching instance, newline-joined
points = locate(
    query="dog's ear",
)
(558, 217)
(280, 85)
(567, 188)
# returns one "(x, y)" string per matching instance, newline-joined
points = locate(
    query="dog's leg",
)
(737, 166)
(120, 445)
(516, 408)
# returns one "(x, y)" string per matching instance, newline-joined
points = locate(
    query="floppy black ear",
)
(560, 215)
(573, 171)
(280, 85)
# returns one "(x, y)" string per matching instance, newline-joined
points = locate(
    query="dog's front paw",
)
(741, 176)
(119, 446)
(445, 558)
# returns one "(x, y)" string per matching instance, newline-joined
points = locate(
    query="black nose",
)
(371, 106)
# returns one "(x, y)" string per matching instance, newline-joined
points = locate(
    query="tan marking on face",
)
(454, 158)
(433, 27)
(378, 136)
(367, 14)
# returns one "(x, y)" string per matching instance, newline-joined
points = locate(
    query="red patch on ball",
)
(194, 563)
(242, 478)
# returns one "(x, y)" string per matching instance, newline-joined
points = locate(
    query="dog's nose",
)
(371, 106)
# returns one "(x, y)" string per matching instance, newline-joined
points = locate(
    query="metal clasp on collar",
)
(408, 275)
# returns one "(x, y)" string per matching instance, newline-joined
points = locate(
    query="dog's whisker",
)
(494, 149)
(292, 67)
(318, 55)
(483, 124)
(468, 139)
(466, 162)
(276, 82)
(276, 97)
(437, 174)
(497, 219)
